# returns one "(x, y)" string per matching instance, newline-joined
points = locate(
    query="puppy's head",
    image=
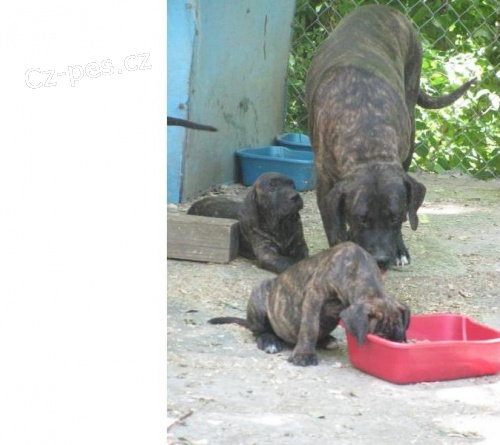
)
(383, 317)
(276, 193)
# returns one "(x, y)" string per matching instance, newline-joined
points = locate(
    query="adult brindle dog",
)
(304, 304)
(361, 92)
(269, 221)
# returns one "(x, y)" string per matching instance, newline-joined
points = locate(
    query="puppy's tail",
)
(188, 124)
(229, 320)
(434, 103)
(216, 207)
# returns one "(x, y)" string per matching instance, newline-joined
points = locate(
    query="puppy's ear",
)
(405, 314)
(360, 320)
(251, 199)
(415, 194)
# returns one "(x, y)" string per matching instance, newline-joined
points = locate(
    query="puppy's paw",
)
(329, 343)
(279, 264)
(269, 343)
(304, 359)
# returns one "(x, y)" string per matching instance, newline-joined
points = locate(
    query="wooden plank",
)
(200, 238)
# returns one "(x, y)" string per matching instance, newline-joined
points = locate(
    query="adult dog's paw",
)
(402, 254)
(301, 359)
(402, 260)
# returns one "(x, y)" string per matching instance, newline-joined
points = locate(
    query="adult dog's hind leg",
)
(412, 71)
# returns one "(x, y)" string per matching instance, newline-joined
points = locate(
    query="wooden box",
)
(200, 238)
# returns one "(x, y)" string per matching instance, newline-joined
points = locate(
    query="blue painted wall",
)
(227, 63)
(180, 42)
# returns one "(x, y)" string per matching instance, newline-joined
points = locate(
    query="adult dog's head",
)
(373, 203)
(384, 317)
(275, 196)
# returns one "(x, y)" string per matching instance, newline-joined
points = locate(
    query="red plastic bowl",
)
(447, 347)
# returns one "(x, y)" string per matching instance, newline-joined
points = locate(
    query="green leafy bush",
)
(461, 41)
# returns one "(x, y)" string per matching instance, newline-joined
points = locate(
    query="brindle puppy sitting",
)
(304, 304)
(269, 221)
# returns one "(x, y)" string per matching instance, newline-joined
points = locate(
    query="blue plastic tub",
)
(296, 164)
(295, 141)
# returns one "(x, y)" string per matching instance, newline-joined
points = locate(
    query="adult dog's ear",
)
(360, 320)
(415, 194)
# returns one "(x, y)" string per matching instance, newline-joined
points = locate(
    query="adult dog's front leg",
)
(330, 203)
(402, 254)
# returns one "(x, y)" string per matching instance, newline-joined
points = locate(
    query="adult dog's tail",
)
(188, 124)
(433, 103)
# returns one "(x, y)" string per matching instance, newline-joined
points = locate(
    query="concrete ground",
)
(223, 390)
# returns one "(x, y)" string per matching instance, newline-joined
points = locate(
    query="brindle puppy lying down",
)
(304, 304)
(269, 221)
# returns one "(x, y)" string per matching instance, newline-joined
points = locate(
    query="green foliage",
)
(461, 41)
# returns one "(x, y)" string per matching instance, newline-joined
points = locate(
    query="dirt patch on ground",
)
(223, 390)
